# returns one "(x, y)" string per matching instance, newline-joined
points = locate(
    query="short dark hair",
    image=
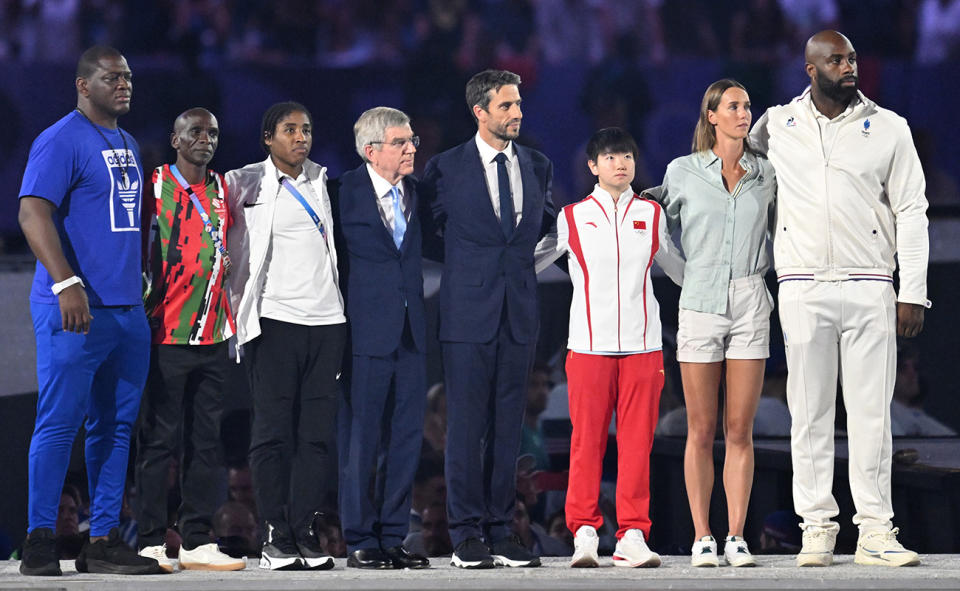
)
(611, 140)
(90, 59)
(273, 116)
(479, 87)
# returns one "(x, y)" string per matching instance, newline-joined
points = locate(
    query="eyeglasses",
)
(402, 142)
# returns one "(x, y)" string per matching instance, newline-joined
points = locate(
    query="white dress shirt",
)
(487, 155)
(382, 189)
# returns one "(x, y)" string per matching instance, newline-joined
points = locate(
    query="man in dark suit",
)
(489, 201)
(381, 420)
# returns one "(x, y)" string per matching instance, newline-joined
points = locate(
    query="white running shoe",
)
(818, 545)
(881, 548)
(208, 557)
(736, 553)
(158, 553)
(632, 551)
(585, 544)
(704, 552)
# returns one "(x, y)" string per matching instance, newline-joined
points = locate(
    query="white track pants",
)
(847, 327)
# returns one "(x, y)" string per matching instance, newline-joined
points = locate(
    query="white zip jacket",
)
(847, 205)
(253, 192)
(611, 245)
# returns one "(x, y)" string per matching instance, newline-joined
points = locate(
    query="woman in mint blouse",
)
(722, 198)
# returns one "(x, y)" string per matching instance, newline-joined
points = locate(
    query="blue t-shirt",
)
(98, 213)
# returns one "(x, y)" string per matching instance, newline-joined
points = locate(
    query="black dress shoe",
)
(369, 558)
(403, 558)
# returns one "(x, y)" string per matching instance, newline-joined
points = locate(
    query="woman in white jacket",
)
(291, 324)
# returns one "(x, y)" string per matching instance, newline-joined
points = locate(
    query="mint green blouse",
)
(723, 233)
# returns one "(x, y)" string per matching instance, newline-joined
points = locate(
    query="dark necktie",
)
(506, 198)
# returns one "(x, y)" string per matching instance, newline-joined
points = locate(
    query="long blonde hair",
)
(705, 135)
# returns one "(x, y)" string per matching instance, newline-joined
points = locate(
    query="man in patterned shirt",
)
(191, 321)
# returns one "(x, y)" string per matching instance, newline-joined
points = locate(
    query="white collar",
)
(603, 195)
(310, 172)
(382, 186)
(488, 153)
(859, 100)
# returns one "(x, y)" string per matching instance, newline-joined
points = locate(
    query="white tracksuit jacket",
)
(611, 245)
(866, 204)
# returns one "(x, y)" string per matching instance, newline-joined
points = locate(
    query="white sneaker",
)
(632, 551)
(818, 545)
(209, 557)
(881, 548)
(585, 544)
(704, 552)
(158, 553)
(736, 553)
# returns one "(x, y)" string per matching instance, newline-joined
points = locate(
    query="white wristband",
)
(59, 287)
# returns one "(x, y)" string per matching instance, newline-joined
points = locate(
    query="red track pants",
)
(597, 385)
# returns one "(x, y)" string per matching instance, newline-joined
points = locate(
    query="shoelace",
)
(890, 537)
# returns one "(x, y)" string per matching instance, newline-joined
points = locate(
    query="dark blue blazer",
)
(483, 271)
(381, 284)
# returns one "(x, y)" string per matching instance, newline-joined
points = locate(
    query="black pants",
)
(293, 379)
(180, 414)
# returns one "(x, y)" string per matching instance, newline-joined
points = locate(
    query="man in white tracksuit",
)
(851, 196)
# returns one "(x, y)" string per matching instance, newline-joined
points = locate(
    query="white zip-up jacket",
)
(253, 192)
(847, 205)
(611, 245)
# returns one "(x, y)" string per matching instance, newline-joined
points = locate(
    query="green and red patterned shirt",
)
(185, 299)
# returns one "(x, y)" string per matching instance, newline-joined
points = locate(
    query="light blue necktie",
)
(399, 222)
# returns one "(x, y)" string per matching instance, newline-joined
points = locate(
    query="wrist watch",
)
(59, 287)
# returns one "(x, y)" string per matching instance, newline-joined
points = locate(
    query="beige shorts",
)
(742, 333)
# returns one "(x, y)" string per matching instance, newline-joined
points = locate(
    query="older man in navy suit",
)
(489, 201)
(381, 421)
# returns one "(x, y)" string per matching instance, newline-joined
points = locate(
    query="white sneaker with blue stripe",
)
(881, 548)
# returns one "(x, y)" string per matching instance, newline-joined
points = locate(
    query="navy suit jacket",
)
(483, 270)
(381, 284)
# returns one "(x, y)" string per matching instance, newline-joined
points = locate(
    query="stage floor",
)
(938, 571)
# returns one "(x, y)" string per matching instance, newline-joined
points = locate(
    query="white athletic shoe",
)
(208, 557)
(881, 548)
(736, 553)
(704, 552)
(632, 551)
(585, 544)
(818, 545)
(158, 553)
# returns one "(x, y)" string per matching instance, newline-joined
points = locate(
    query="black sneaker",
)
(279, 552)
(113, 557)
(311, 551)
(39, 557)
(472, 553)
(510, 552)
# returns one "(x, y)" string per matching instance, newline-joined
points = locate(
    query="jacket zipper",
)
(616, 234)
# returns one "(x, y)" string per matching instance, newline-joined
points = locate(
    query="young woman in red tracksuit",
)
(614, 363)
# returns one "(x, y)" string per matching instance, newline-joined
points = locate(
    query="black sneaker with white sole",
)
(112, 556)
(279, 551)
(40, 557)
(311, 551)
(510, 552)
(472, 553)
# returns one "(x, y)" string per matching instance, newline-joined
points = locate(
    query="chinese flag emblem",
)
(639, 225)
